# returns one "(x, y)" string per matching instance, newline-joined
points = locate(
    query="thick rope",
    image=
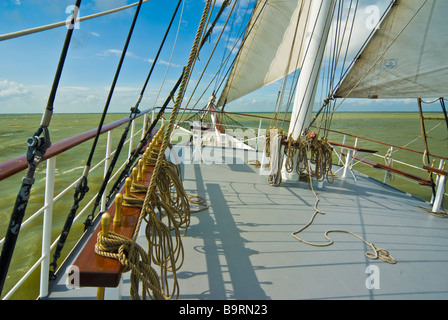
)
(163, 214)
(133, 258)
(275, 175)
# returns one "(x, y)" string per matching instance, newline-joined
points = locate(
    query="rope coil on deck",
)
(377, 253)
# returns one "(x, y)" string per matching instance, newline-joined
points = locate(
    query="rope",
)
(133, 258)
(37, 147)
(377, 253)
(275, 176)
(165, 212)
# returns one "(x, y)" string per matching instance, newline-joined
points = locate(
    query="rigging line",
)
(303, 60)
(156, 57)
(208, 61)
(328, 101)
(224, 5)
(135, 154)
(89, 218)
(171, 57)
(425, 142)
(238, 56)
(296, 74)
(205, 67)
(378, 59)
(37, 147)
(442, 103)
(226, 47)
(219, 70)
(82, 189)
(194, 53)
(377, 26)
(288, 65)
(323, 42)
(21, 33)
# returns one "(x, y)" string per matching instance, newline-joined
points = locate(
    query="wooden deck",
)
(242, 247)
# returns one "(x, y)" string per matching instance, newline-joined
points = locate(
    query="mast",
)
(319, 26)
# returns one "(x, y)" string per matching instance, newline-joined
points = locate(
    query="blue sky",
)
(28, 64)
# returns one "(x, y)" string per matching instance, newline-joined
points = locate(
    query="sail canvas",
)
(271, 49)
(406, 56)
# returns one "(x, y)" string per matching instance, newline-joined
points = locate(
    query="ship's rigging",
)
(259, 63)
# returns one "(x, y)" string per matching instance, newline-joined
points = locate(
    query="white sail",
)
(406, 57)
(272, 47)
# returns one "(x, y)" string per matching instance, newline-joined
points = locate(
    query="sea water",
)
(399, 129)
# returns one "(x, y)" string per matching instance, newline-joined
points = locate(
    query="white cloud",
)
(17, 2)
(117, 53)
(11, 89)
(163, 62)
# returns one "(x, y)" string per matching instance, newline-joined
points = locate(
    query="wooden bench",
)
(102, 272)
(98, 271)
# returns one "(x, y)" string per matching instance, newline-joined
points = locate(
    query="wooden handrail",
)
(421, 181)
(352, 147)
(436, 171)
(11, 167)
(387, 144)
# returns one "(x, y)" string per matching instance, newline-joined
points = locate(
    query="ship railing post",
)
(348, 160)
(389, 162)
(342, 149)
(131, 138)
(106, 166)
(47, 226)
(437, 180)
(258, 133)
(440, 192)
(145, 124)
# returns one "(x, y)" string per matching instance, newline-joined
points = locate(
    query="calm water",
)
(393, 128)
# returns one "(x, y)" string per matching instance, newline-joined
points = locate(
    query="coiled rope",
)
(163, 218)
(320, 155)
(377, 253)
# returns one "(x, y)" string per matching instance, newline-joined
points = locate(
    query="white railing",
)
(47, 209)
(439, 183)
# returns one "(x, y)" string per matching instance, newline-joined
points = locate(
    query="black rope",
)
(143, 142)
(442, 103)
(81, 187)
(37, 147)
(132, 116)
(425, 143)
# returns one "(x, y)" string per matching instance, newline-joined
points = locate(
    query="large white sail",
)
(406, 57)
(272, 48)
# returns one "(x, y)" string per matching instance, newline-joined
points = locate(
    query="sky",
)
(28, 63)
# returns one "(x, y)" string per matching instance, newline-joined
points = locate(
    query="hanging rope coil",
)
(322, 159)
(275, 176)
(318, 152)
(163, 215)
(133, 258)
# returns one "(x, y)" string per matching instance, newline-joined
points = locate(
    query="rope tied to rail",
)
(133, 258)
(318, 151)
(164, 215)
